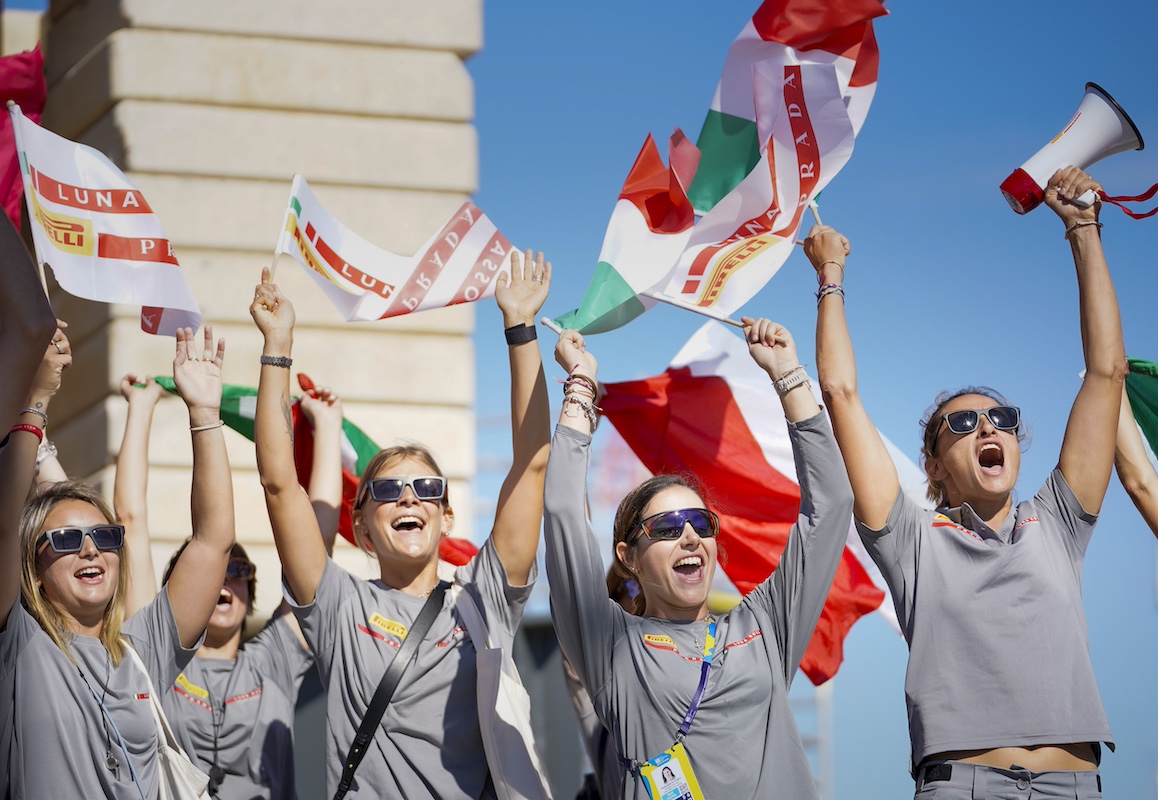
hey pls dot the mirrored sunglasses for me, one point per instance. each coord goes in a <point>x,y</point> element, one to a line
<point>389,490</point>
<point>670,524</point>
<point>1004,418</point>
<point>71,540</point>
<point>240,568</point>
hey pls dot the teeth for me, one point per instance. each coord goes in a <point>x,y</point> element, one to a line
<point>91,572</point>
<point>989,446</point>
<point>690,561</point>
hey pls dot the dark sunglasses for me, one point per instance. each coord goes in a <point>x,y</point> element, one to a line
<point>670,524</point>
<point>1004,418</point>
<point>71,540</point>
<point>389,490</point>
<point>240,568</point>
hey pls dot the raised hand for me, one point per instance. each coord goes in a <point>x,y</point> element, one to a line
<point>198,378</point>
<point>571,354</point>
<point>1065,186</point>
<point>57,358</point>
<point>771,346</point>
<point>322,407</point>
<point>141,389</point>
<point>825,246</point>
<point>272,311</point>
<point>522,289</point>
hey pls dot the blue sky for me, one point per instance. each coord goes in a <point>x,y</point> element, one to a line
<point>946,285</point>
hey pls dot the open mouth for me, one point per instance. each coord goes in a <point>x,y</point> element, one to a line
<point>225,600</point>
<point>690,568</point>
<point>991,458</point>
<point>90,575</point>
<point>407,524</point>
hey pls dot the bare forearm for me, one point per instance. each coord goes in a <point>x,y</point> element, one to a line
<point>130,488</point>
<point>1101,324</point>
<point>326,481</point>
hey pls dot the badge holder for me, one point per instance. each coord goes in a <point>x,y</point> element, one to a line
<point>669,776</point>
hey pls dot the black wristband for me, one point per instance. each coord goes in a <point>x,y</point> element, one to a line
<point>520,333</point>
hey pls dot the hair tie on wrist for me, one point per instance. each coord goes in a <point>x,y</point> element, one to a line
<point>518,334</point>
<point>208,427</point>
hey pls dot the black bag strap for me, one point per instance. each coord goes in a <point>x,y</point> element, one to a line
<point>406,654</point>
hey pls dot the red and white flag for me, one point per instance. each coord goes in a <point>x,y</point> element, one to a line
<point>714,413</point>
<point>456,265</point>
<point>97,232</point>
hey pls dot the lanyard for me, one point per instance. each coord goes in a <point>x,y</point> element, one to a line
<point>709,649</point>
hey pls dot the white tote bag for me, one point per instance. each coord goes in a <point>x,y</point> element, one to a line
<point>504,713</point>
<point>179,778</point>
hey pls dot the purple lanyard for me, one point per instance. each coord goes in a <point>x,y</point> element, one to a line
<point>709,649</point>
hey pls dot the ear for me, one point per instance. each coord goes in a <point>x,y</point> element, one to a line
<point>622,550</point>
<point>935,471</point>
<point>447,520</point>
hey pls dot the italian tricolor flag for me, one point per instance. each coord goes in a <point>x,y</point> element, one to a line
<point>649,228</point>
<point>714,413</point>
<point>1142,389</point>
<point>238,408</point>
<point>781,33</point>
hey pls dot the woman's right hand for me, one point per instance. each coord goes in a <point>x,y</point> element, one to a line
<point>825,246</point>
<point>141,389</point>
<point>571,354</point>
<point>57,358</point>
<point>272,311</point>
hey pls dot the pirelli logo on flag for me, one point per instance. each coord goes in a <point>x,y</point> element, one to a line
<point>72,235</point>
<point>731,261</point>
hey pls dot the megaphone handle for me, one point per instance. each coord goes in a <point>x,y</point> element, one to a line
<point>1085,199</point>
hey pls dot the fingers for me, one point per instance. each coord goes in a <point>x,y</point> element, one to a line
<point>765,332</point>
<point>182,354</point>
<point>1071,182</point>
<point>266,279</point>
<point>207,347</point>
<point>219,358</point>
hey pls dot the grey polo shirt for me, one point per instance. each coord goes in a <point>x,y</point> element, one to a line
<point>428,743</point>
<point>641,672</point>
<point>998,647</point>
<point>52,732</point>
<point>252,699</point>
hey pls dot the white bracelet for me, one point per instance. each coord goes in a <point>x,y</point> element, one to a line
<point>790,380</point>
<point>208,427</point>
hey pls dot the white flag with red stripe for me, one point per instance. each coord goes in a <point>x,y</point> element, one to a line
<point>714,413</point>
<point>457,265</point>
<point>97,232</point>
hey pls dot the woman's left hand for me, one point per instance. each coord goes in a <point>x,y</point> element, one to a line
<point>198,379</point>
<point>522,289</point>
<point>1064,187</point>
<point>771,346</point>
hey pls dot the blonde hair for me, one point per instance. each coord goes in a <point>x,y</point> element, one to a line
<point>42,609</point>
<point>384,460</point>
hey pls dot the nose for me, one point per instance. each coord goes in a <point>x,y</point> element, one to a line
<point>690,537</point>
<point>88,548</point>
<point>985,426</point>
<point>408,497</point>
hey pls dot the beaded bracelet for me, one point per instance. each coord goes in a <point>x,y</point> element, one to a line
<point>578,387</point>
<point>590,409</point>
<point>1081,224</point>
<point>827,289</point>
<point>24,426</point>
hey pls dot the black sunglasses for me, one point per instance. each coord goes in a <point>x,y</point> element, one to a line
<point>240,568</point>
<point>71,540</point>
<point>1004,418</point>
<point>389,490</point>
<point>670,524</point>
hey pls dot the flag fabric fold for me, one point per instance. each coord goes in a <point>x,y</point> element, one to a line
<point>714,413</point>
<point>238,408</point>
<point>1142,389</point>
<point>458,264</point>
<point>21,81</point>
<point>97,232</point>
<point>649,228</point>
<point>782,33</point>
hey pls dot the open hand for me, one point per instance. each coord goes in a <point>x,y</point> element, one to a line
<point>198,378</point>
<point>522,289</point>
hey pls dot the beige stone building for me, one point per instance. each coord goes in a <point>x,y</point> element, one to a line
<point>211,108</point>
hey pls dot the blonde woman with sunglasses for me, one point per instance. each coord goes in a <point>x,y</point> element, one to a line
<point>693,703</point>
<point>75,714</point>
<point>429,742</point>
<point>1001,694</point>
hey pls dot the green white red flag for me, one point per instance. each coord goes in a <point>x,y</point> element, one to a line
<point>456,265</point>
<point>97,232</point>
<point>713,413</point>
<point>238,409</point>
<point>1142,389</point>
<point>782,33</point>
<point>649,228</point>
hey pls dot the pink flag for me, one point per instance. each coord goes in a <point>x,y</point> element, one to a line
<point>21,81</point>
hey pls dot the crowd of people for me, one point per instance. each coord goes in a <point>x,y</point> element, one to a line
<point>98,662</point>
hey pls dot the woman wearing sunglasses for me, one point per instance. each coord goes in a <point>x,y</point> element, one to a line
<point>677,688</point>
<point>75,714</point>
<point>1000,689</point>
<point>232,706</point>
<point>429,741</point>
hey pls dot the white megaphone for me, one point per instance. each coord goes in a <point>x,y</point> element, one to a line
<point>1100,128</point>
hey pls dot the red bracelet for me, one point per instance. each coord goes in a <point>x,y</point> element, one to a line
<point>24,426</point>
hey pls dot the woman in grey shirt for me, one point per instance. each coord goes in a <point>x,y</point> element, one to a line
<point>75,715</point>
<point>694,704</point>
<point>1000,691</point>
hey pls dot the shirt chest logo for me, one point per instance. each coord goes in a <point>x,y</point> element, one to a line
<point>192,688</point>
<point>390,626</point>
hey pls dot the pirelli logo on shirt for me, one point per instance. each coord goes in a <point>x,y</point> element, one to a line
<point>390,626</point>
<point>192,688</point>
<point>941,521</point>
<point>660,641</point>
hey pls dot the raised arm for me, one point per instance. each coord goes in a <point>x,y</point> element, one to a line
<point>130,489</point>
<point>295,530</point>
<point>870,468</point>
<point>195,583</point>
<point>1087,451</point>
<point>772,348</point>
<point>27,323</point>
<point>519,512</point>
<point>324,411</point>
<point>18,459</point>
<point>1134,468</point>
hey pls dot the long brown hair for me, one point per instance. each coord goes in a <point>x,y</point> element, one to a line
<point>383,460</point>
<point>39,606</point>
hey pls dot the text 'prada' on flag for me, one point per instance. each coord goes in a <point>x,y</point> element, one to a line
<point>714,413</point>
<point>97,232</point>
<point>459,264</point>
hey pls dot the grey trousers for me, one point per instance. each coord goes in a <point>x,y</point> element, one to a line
<point>955,780</point>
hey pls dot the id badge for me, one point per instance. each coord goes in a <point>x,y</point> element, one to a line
<point>669,776</point>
